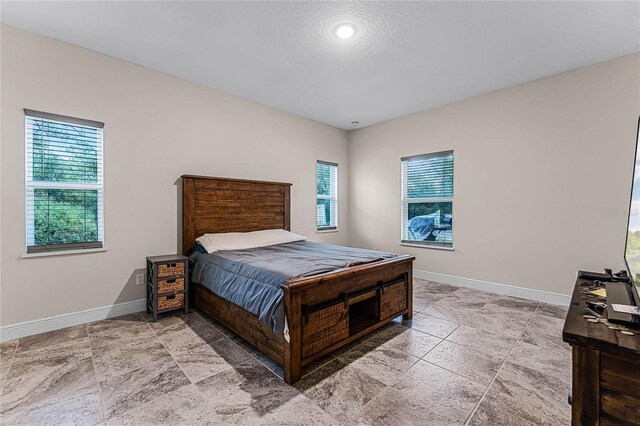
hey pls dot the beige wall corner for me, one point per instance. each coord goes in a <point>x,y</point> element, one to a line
<point>542,177</point>
<point>157,128</point>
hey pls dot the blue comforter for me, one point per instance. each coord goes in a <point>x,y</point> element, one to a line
<point>252,278</point>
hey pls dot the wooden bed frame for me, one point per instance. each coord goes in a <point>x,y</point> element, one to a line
<point>324,312</point>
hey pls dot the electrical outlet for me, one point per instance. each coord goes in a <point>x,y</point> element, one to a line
<point>139,279</point>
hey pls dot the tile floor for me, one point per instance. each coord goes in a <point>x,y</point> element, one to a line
<point>468,357</point>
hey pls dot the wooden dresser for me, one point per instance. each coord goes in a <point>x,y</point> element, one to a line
<point>606,369</point>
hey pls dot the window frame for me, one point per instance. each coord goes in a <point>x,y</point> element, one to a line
<point>333,198</point>
<point>405,201</point>
<point>31,249</point>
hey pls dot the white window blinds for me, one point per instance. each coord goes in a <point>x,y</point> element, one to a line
<point>64,183</point>
<point>327,196</point>
<point>427,199</point>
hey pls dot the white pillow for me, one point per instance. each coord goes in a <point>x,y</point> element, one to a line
<point>247,240</point>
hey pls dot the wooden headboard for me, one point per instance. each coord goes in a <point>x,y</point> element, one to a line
<point>213,204</point>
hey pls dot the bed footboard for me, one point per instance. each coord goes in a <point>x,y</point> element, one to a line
<point>328,311</point>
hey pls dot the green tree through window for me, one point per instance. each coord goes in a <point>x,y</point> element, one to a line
<point>64,184</point>
<point>327,195</point>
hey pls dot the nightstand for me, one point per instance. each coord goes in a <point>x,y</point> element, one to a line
<point>167,284</point>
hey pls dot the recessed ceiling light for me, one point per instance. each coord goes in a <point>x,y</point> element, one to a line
<point>355,123</point>
<point>345,31</point>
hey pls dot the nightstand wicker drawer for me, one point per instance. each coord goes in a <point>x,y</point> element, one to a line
<point>170,269</point>
<point>172,301</point>
<point>170,285</point>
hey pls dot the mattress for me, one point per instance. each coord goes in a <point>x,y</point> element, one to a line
<point>252,278</point>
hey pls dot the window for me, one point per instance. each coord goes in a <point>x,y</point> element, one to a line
<point>64,183</point>
<point>327,196</point>
<point>427,199</point>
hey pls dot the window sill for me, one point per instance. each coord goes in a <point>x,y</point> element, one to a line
<point>326,231</point>
<point>428,247</point>
<point>63,253</point>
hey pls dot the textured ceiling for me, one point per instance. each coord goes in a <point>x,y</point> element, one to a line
<point>404,58</point>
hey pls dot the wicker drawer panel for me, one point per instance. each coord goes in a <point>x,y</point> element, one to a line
<point>171,285</point>
<point>324,327</point>
<point>393,299</point>
<point>170,269</point>
<point>167,302</point>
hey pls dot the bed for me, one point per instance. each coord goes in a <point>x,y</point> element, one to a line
<point>324,309</point>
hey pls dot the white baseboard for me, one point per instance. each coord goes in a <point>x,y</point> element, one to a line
<point>28,328</point>
<point>57,322</point>
<point>509,290</point>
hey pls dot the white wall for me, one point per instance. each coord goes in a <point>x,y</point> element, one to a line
<point>526,158</point>
<point>157,128</point>
<point>541,181</point>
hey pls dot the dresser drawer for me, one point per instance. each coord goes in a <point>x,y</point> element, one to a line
<point>619,389</point>
<point>170,285</point>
